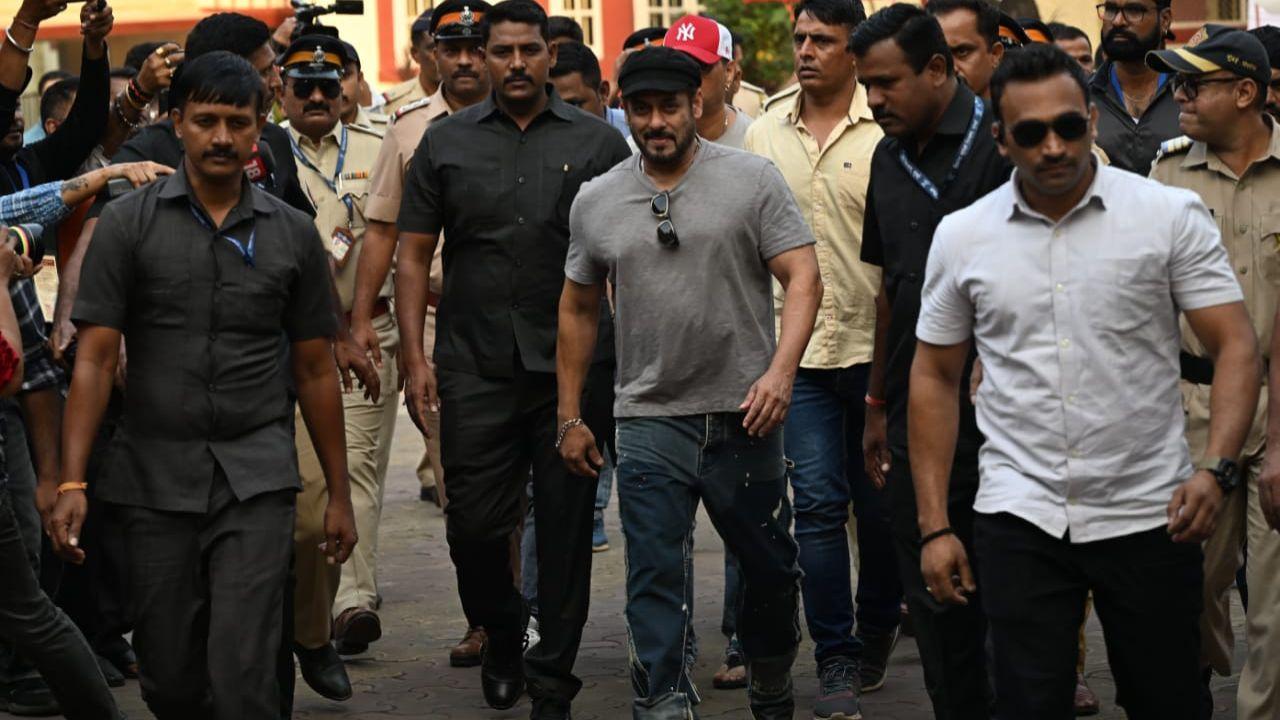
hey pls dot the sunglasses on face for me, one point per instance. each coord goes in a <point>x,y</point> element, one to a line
<point>302,88</point>
<point>660,206</point>
<point>1068,126</point>
<point>1190,84</point>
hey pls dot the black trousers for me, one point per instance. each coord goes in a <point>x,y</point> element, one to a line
<point>208,589</point>
<point>493,431</point>
<point>951,638</point>
<point>1147,590</point>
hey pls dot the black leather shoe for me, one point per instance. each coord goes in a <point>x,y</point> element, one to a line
<point>324,671</point>
<point>502,672</point>
<point>110,672</point>
<point>548,709</point>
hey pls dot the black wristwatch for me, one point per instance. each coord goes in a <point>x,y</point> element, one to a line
<point>1225,471</point>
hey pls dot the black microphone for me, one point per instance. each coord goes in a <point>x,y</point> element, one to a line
<point>24,239</point>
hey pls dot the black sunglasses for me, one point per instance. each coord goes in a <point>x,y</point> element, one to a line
<point>660,206</point>
<point>1068,126</point>
<point>303,87</point>
<point>1190,85</point>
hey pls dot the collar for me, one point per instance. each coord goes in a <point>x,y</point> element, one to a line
<point>1199,154</point>
<point>858,108</point>
<point>1092,196</point>
<point>489,108</point>
<point>176,186</point>
<point>955,121</point>
<point>305,142</point>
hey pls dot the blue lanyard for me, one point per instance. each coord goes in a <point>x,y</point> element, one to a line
<point>1115,85</point>
<point>246,250</point>
<point>337,171</point>
<point>22,173</point>
<point>966,147</point>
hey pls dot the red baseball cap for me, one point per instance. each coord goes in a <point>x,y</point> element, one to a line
<point>706,40</point>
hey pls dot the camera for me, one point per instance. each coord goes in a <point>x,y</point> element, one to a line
<point>306,14</point>
<point>24,240</point>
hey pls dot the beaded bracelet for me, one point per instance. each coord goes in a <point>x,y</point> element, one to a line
<point>119,111</point>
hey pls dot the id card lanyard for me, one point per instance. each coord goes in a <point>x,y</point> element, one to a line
<point>332,184</point>
<point>970,135</point>
<point>246,249</point>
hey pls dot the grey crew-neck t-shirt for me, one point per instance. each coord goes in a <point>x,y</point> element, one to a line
<point>693,324</point>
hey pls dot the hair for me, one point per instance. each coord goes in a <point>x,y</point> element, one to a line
<point>1269,35</point>
<point>1037,61</point>
<point>639,37</point>
<point>574,57</point>
<point>230,32</point>
<point>137,55</point>
<point>218,77</point>
<point>54,75</point>
<point>916,32</point>
<point>559,26</point>
<point>416,35</point>
<point>832,12</point>
<point>56,101</point>
<point>525,12</point>
<point>1063,31</point>
<point>987,14</point>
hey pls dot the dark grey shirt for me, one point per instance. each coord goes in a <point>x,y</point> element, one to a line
<point>502,197</point>
<point>1132,144</point>
<point>204,330</point>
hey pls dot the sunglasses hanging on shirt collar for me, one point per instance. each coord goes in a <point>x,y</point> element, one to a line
<point>660,206</point>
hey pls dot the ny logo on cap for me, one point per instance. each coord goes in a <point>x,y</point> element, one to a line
<point>685,33</point>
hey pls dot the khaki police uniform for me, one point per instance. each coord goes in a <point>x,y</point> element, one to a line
<point>402,138</point>
<point>750,99</point>
<point>338,184</point>
<point>374,122</point>
<point>400,95</point>
<point>1247,210</point>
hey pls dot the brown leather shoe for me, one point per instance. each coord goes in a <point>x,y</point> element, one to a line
<point>1087,702</point>
<point>354,629</point>
<point>467,652</point>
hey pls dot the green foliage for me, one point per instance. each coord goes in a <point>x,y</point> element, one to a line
<point>766,31</point>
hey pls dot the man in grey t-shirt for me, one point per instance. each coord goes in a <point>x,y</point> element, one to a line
<point>702,385</point>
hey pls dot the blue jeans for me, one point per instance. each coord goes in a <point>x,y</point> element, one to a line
<point>665,466</point>
<point>823,438</point>
<point>605,487</point>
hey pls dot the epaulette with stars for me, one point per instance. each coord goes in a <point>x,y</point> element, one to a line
<point>409,108</point>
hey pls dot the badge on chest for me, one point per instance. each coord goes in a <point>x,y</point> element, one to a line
<point>340,245</point>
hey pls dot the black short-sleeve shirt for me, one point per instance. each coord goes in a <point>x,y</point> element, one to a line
<point>203,328</point>
<point>502,197</point>
<point>898,232</point>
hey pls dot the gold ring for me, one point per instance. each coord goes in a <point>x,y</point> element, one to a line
<point>162,51</point>
<point>168,63</point>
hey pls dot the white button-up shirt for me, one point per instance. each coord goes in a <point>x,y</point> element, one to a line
<point>1076,323</point>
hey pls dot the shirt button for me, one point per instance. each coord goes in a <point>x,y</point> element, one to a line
<point>1242,229</point>
<point>519,263</point>
<point>524,140</point>
<point>217,286</point>
<point>1065,343</point>
<point>213,336</point>
<point>914,225</point>
<point>1059,287</point>
<point>1244,270</point>
<point>520,180</point>
<point>515,306</point>
<point>212,387</point>
<point>520,220</point>
<point>1071,399</point>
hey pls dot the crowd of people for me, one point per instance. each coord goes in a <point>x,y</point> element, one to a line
<point>964,333</point>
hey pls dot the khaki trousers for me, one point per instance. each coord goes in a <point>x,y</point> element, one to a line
<point>430,470</point>
<point>1241,518</point>
<point>317,580</point>
<point>370,429</point>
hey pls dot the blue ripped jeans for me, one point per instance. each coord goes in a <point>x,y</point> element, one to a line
<point>665,466</point>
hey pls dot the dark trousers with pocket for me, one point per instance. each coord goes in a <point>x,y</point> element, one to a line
<point>1147,590</point>
<point>41,632</point>
<point>493,432</point>
<point>207,590</point>
<point>951,638</point>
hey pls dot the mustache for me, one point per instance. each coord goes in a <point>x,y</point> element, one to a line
<point>1054,163</point>
<point>319,107</point>
<point>459,74</point>
<point>659,135</point>
<point>1120,32</point>
<point>880,115</point>
<point>520,77</point>
<point>226,153</point>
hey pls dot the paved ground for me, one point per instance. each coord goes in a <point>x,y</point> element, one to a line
<point>407,674</point>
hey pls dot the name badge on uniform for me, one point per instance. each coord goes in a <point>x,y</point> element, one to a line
<point>341,245</point>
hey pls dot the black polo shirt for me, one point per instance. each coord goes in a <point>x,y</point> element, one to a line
<point>502,198</point>
<point>898,232</point>
<point>203,328</point>
<point>1132,145</point>
<point>158,143</point>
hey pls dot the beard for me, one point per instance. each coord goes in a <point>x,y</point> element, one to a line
<point>682,141</point>
<point>1131,48</point>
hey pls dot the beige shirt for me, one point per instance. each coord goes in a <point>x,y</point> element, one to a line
<point>830,185</point>
<point>350,186</point>
<point>750,99</point>
<point>400,95</point>
<point>1247,212</point>
<point>402,138</point>
<point>375,122</point>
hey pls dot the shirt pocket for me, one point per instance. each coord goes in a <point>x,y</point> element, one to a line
<point>561,180</point>
<point>254,303</point>
<point>1268,248</point>
<point>1123,294</point>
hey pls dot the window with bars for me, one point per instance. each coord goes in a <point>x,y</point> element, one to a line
<point>586,13</point>
<point>661,13</point>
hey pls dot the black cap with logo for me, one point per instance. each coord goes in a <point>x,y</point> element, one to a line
<point>1213,48</point>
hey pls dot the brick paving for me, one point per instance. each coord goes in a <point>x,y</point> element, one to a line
<point>407,673</point>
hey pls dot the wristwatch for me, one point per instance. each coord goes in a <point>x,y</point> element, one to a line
<point>1225,471</point>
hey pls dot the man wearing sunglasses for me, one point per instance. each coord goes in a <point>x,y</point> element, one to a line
<point>334,162</point>
<point>1230,157</point>
<point>1069,280</point>
<point>1136,109</point>
<point>702,386</point>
